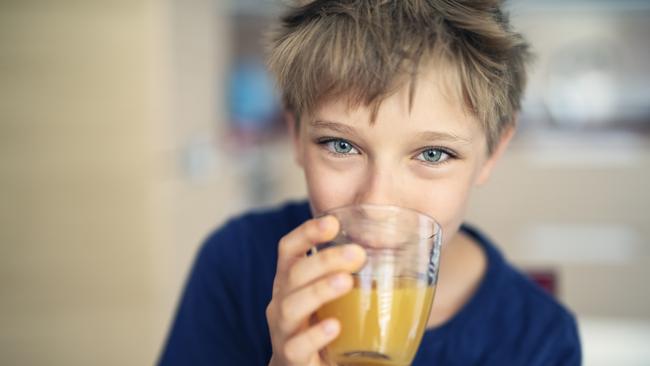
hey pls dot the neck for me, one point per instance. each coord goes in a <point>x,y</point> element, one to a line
<point>462,267</point>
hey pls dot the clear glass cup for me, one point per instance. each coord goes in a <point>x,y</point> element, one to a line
<point>384,316</point>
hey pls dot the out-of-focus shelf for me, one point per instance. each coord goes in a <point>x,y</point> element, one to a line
<point>579,5</point>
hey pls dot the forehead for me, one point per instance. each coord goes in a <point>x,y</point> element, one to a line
<point>436,105</point>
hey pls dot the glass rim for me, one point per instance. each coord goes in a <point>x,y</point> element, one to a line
<point>390,208</point>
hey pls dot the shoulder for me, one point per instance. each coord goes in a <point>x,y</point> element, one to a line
<point>543,325</point>
<point>253,233</point>
<point>228,288</point>
<point>545,330</point>
<point>267,222</point>
<point>507,284</point>
<point>527,317</point>
<point>531,297</point>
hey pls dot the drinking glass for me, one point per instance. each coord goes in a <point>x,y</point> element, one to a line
<point>384,316</point>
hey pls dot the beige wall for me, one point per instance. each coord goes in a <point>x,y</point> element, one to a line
<point>102,105</point>
<point>80,105</point>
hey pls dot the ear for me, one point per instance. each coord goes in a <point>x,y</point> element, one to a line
<point>500,148</point>
<point>294,135</point>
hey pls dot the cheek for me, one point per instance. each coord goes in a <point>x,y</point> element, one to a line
<point>329,186</point>
<point>446,201</point>
<point>447,198</point>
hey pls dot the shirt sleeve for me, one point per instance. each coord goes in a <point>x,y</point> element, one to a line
<point>206,328</point>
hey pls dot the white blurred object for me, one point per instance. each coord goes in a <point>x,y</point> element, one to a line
<point>589,97</point>
<point>583,83</point>
<point>611,341</point>
<point>591,65</point>
<point>593,244</point>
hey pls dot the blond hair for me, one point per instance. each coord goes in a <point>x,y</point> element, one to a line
<point>365,50</point>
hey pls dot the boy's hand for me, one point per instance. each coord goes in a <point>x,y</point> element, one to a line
<point>302,285</point>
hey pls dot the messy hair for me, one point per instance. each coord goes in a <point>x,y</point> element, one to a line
<point>366,50</point>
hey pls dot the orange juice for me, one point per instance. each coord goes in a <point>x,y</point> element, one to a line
<point>382,321</point>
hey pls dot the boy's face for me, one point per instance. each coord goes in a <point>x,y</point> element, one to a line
<point>428,159</point>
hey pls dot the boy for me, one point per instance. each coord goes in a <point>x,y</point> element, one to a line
<point>403,102</point>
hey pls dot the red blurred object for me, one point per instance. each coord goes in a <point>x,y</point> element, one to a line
<point>546,279</point>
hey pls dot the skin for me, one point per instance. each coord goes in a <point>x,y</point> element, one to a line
<point>429,158</point>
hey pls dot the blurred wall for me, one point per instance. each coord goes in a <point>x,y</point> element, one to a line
<point>88,185</point>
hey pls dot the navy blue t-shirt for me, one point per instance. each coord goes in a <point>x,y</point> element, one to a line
<point>221,316</point>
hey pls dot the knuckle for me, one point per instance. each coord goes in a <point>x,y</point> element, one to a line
<point>270,311</point>
<point>286,309</point>
<point>283,247</point>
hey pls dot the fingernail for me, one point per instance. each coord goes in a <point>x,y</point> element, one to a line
<point>339,282</point>
<point>330,327</point>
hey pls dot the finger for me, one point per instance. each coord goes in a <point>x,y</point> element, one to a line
<point>344,258</point>
<point>298,306</point>
<point>297,242</point>
<point>305,345</point>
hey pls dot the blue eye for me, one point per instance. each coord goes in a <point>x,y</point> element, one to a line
<point>340,146</point>
<point>433,156</point>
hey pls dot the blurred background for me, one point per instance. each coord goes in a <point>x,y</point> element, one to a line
<point>131,129</point>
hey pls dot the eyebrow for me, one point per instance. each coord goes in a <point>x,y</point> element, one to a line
<point>442,136</point>
<point>334,126</point>
<point>424,136</point>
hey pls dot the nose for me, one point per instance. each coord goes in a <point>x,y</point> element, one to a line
<point>378,186</point>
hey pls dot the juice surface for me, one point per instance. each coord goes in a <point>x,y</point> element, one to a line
<point>382,321</point>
